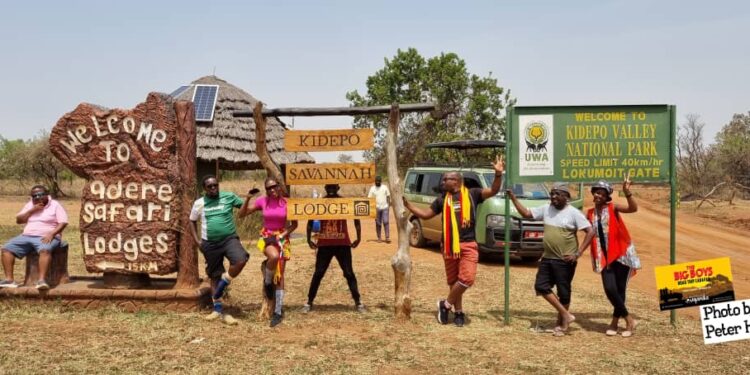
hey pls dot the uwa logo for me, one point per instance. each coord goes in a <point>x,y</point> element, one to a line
<point>536,135</point>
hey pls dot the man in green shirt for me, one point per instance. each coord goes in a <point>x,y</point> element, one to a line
<point>218,240</point>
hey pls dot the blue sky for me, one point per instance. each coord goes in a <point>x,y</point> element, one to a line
<point>56,54</point>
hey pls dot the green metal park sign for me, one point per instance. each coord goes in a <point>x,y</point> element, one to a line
<point>591,143</point>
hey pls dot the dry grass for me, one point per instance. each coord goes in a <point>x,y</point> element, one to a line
<point>335,339</point>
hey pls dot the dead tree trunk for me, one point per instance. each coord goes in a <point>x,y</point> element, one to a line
<point>187,266</point>
<point>710,193</point>
<point>401,261</point>
<point>266,307</point>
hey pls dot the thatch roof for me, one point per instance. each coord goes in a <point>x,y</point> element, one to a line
<point>232,140</point>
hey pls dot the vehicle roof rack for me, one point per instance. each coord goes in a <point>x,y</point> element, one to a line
<point>465,166</point>
<point>467,144</point>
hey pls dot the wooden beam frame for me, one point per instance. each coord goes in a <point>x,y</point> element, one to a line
<point>337,111</point>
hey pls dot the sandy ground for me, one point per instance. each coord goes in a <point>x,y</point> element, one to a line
<point>697,239</point>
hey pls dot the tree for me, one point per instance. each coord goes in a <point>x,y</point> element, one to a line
<point>733,148</point>
<point>468,106</point>
<point>345,158</point>
<point>32,160</point>
<point>696,164</point>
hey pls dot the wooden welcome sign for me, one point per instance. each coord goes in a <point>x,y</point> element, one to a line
<point>330,173</point>
<point>328,140</point>
<point>132,200</point>
<point>330,208</point>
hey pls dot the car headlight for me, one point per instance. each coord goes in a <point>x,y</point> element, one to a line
<point>496,221</point>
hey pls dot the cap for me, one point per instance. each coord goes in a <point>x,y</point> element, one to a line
<point>601,184</point>
<point>561,186</point>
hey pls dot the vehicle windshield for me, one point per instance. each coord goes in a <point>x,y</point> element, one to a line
<point>523,190</point>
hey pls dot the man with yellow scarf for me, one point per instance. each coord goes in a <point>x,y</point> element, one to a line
<point>459,245</point>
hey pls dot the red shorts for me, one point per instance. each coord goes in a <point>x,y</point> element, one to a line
<point>463,269</point>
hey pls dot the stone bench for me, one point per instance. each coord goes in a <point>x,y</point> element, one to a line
<point>57,273</point>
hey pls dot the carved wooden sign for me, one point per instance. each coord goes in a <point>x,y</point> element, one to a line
<point>330,208</point>
<point>130,210</point>
<point>330,173</point>
<point>328,140</point>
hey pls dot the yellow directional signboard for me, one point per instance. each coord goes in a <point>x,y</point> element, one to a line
<point>330,173</point>
<point>330,208</point>
<point>328,140</point>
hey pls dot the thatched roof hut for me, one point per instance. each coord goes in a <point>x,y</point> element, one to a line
<point>230,140</point>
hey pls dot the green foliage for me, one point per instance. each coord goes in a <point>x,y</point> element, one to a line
<point>31,160</point>
<point>345,158</point>
<point>468,106</point>
<point>733,149</point>
<point>697,170</point>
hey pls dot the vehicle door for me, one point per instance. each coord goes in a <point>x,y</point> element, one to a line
<point>432,228</point>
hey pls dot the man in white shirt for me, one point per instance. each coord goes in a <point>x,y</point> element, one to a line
<point>382,202</point>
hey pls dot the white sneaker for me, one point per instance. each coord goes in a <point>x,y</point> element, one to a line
<point>229,320</point>
<point>212,316</point>
<point>8,284</point>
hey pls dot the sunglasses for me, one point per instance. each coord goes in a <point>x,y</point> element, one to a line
<point>38,195</point>
<point>268,188</point>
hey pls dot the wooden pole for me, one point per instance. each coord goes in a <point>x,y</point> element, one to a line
<point>401,261</point>
<point>187,266</point>
<point>261,149</point>
<point>336,111</point>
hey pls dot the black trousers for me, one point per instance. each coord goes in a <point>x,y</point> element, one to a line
<point>615,281</point>
<point>343,255</point>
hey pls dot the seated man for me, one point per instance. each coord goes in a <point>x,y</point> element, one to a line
<point>45,220</point>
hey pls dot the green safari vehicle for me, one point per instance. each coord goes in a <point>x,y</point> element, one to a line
<point>423,185</point>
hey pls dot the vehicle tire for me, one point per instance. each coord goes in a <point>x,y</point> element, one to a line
<point>416,237</point>
<point>529,259</point>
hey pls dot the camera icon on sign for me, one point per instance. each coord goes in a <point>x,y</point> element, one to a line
<point>361,208</point>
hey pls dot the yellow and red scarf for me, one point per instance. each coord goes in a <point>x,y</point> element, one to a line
<point>284,245</point>
<point>451,238</point>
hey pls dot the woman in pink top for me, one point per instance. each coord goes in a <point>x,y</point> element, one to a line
<point>274,241</point>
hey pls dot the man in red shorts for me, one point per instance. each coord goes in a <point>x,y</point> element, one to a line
<point>459,245</point>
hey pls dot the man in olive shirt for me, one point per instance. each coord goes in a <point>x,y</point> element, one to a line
<point>561,251</point>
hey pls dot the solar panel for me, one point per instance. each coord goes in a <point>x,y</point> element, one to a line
<point>179,91</point>
<point>204,99</point>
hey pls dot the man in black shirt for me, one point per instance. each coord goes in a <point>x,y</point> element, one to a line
<point>460,250</point>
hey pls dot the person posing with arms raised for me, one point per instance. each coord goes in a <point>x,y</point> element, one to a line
<point>382,202</point>
<point>218,240</point>
<point>460,250</point>
<point>561,251</point>
<point>274,242</point>
<point>612,253</point>
<point>333,241</point>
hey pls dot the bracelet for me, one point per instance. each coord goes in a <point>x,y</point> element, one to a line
<point>499,175</point>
